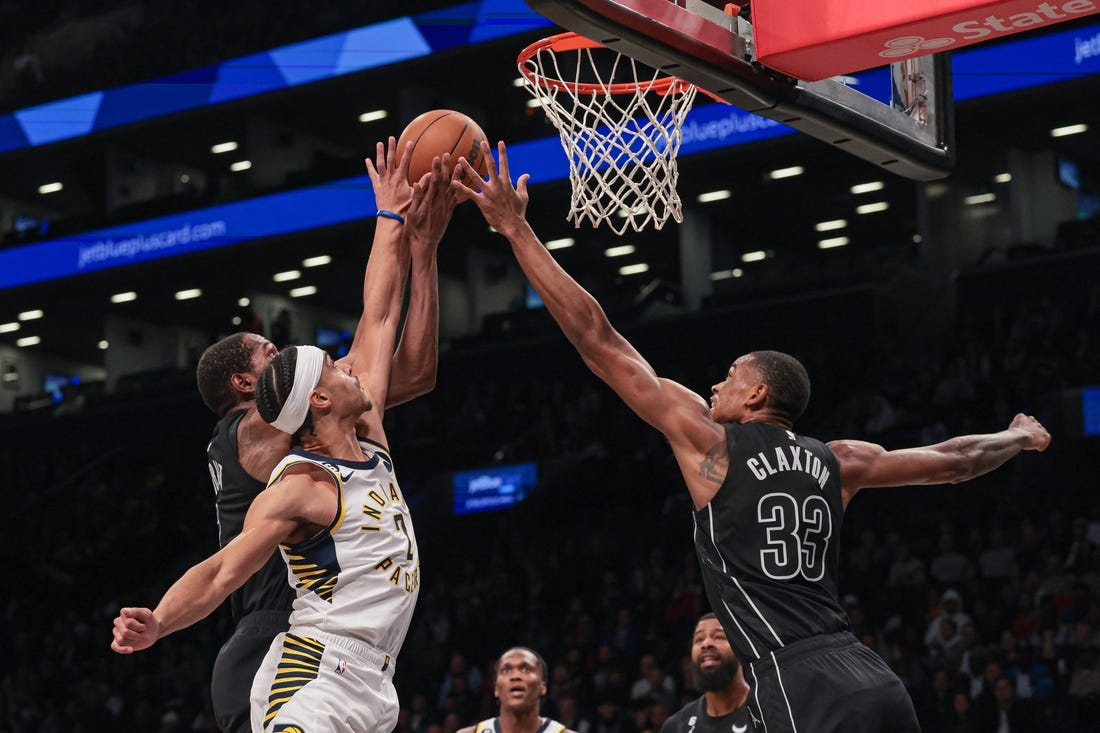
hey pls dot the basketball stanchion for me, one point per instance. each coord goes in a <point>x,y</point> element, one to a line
<point>620,124</point>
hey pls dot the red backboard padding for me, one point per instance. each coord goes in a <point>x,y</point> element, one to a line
<point>816,39</point>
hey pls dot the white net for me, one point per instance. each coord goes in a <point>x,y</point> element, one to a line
<point>620,124</point>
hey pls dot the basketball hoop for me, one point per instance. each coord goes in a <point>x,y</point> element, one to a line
<point>621,137</point>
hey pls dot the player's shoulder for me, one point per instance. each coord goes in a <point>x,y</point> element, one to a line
<point>682,719</point>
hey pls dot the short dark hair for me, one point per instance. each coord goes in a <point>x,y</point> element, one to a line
<point>232,355</point>
<point>538,657</point>
<point>787,380</point>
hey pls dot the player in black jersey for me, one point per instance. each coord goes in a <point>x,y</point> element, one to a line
<point>244,449</point>
<point>768,502</point>
<point>721,708</point>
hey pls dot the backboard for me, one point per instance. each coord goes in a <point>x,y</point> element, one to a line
<point>911,135</point>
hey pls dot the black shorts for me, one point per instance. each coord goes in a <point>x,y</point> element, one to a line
<point>828,684</point>
<point>236,665</point>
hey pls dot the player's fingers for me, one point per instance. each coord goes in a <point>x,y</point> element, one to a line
<point>521,184</point>
<point>462,191</point>
<point>405,160</point>
<point>121,649</point>
<point>502,152</point>
<point>380,155</point>
<point>490,164</point>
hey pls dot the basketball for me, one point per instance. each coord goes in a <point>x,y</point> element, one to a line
<point>442,131</point>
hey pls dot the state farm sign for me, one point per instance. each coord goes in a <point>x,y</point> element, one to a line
<point>814,40</point>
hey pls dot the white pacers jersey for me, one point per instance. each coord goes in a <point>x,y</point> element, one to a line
<point>360,577</point>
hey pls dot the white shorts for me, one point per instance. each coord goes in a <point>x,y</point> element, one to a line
<point>315,682</point>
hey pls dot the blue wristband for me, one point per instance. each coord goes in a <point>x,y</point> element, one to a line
<point>391,215</point>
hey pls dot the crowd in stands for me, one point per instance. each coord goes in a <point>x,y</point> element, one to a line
<point>984,598</point>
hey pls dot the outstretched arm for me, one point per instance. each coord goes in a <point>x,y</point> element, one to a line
<point>863,465</point>
<point>681,415</point>
<point>205,586</point>
<point>417,359</point>
<point>371,353</point>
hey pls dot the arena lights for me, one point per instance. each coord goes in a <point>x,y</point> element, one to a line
<point>981,198</point>
<point>189,294</point>
<point>727,274</point>
<point>791,172</point>
<point>103,344</point>
<point>244,302</point>
<point>28,341</point>
<point>31,315</point>
<point>868,187</point>
<point>518,82</point>
<point>240,165</point>
<point>620,251</point>
<point>303,291</point>
<point>54,187</point>
<point>560,243</point>
<point>873,208</point>
<point>226,147</point>
<point>833,242</point>
<point>634,269</point>
<point>1069,130</point>
<point>709,196</point>
<point>832,224</point>
<point>10,327</point>
<point>534,103</point>
<point>318,261</point>
<point>124,297</point>
<point>755,256</point>
<point>374,115</point>
<point>282,277</point>
<point>1002,178</point>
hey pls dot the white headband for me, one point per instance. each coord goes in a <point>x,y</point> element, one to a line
<point>307,374</point>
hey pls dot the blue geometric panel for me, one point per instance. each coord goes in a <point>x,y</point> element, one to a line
<point>245,77</point>
<point>499,18</point>
<point>59,120</point>
<point>169,94</point>
<point>301,63</point>
<point>381,44</point>
<point>11,134</point>
<point>448,27</point>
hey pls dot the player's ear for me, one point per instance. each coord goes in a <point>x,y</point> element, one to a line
<point>758,397</point>
<point>319,398</point>
<point>243,382</point>
<point>542,689</point>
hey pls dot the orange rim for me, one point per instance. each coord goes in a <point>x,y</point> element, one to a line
<point>570,41</point>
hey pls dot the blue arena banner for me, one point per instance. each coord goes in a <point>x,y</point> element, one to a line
<point>489,489</point>
<point>178,234</point>
<point>369,47</point>
<point>1090,411</point>
<point>979,72</point>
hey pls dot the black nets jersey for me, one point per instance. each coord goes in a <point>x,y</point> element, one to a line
<point>234,490</point>
<point>767,541</point>
<point>693,718</point>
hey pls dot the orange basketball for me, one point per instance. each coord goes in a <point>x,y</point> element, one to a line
<point>442,131</point>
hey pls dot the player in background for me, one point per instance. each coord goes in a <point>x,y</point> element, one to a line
<point>769,502</point>
<point>721,708</point>
<point>520,686</point>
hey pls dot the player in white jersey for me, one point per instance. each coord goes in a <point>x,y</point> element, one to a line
<point>356,582</point>
<point>333,671</point>
<point>520,687</point>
